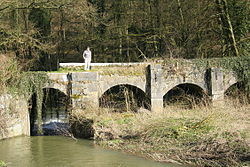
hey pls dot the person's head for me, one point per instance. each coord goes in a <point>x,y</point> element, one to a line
<point>88,48</point>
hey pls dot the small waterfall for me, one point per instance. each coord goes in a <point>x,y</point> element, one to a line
<point>54,113</point>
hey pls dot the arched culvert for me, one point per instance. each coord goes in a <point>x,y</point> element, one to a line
<point>124,98</point>
<point>237,93</point>
<point>185,96</point>
<point>54,116</point>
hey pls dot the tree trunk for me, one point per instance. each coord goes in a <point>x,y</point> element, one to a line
<point>227,27</point>
<point>180,11</point>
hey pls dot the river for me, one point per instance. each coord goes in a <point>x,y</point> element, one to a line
<point>58,151</point>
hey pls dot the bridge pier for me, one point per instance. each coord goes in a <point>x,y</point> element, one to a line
<point>155,74</point>
<point>156,104</point>
<point>84,90</point>
<point>216,86</point>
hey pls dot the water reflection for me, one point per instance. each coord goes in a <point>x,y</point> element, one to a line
<point>57,151</point>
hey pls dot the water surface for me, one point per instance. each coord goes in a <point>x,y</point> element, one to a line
<point>58,151</point>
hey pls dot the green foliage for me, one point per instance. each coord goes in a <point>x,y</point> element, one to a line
<point>25,85</point>
<point>177,28</point>
<point>17,82</point>
<point>37,31</point>
<point>182,130</point>
<point>240,13</point>
<point>3,164</point>
<point>28,83</point>
<point>26,47</point>
<point>42,20</point>
<point>240,65</point>
<point>122,30</point>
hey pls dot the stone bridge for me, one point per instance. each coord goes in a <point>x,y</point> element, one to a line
<point>155,80</point>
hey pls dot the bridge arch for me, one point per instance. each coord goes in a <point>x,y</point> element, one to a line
<point>230,85</point>
<point>237,92</point>
<point>59,87</point>
<point>125,97</point>
<point>186,95</point>
<point>172,85</point>
<point>55,105</point>
<point>108,86</point>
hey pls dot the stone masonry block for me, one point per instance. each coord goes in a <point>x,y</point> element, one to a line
<point>63,77</point>
<point>84,76</point>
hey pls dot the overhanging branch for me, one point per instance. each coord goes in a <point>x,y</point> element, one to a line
<point>4,8</point>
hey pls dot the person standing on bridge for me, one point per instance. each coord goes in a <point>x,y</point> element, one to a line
<point>87,58</point>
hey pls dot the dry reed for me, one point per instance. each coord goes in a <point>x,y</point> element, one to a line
<point>204,136</point>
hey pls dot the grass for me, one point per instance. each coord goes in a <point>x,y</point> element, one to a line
<point>138,70</point>
<point>205,136</point>
<point>109,70</point>
<point>68,70</point>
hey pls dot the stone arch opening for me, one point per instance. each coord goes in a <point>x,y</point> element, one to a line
<point>185,96</point>
<point>54,116</point>
<point>123,98</point>
<point>237,93</point>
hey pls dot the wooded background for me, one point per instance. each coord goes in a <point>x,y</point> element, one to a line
<point>45,32</point>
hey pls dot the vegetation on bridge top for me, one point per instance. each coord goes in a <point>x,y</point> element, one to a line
<point>132,70</point>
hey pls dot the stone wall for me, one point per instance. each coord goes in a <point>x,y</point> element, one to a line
<point>14,117</point>
<point>85,88</point>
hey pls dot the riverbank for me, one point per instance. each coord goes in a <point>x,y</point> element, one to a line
<point>59,151</point>
<point>213,137</point>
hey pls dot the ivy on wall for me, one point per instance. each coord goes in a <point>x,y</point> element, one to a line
<point>239,65</point>
<point>29,83</point>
